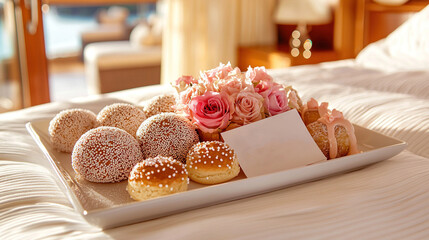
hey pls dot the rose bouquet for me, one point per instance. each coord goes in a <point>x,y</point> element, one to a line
<point>224,98</point>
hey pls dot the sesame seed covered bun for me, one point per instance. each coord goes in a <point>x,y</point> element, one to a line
<point>159,104</point>
<point>167,134</point>
<point>156,177</point>
<point>212,162</point>
<point>122,115</point>
<point>67,127</point>
<point>105,154</point>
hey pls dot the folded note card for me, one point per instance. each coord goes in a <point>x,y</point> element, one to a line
<point>273,144</point>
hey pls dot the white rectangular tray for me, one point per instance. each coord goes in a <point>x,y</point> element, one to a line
<point>108,205</point>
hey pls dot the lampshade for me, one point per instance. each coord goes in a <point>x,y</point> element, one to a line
<point>303,11</point>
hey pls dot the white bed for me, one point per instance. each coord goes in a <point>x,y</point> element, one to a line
<point>385,89</point>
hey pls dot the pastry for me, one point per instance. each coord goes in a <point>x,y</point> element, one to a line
<point>67,127</point>
<point>159,104</point>
<point>212,162</point>
<point>168,135</point>
<point>156,177</point>
<point>334,135</point>
<point>122,115</point>
<point>105,154</point>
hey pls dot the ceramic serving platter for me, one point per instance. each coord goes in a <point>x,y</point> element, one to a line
<point>108,205</point>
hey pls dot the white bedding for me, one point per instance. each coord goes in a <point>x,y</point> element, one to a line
<point>405,49</point>
<point>388,200</point>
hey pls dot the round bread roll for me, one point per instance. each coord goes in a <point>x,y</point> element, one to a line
<point>159,104</point>
<point>122,115</point>
<point>105,154</point>
<point>156,177</point>
<point>67,127</point>
<point>168,135</point>
<point>212,162</point>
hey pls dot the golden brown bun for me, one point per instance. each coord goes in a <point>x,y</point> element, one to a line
<point>319,132</point>
<point>156,177</point>
<point>212,162</point>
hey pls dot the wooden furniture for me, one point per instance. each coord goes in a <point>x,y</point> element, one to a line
<point>115,66</point>
<point>356,24</point>
<point>267,56</point>
<point>105,33</point>
<point>94,2</point>
<point>278,56</point>
<point>34,70</point>
<point>375,21</point>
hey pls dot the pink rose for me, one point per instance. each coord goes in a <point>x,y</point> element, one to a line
<point>184,82</point>
<point>248,107</point>
<point>210,77</point>
<point>276,102</point>
<point>233,83</point>
<point>264,88</point>
<point>211,111</point>
<point>220,72</point>
<point>261,80</point>
<point>188,80</point>
<point>186,96</point>
<point>293,100</point>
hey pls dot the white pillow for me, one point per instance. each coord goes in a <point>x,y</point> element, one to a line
<point>146,35</point>
<point>405,49</point>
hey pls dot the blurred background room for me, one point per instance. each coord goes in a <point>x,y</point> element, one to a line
<point>55,50</point>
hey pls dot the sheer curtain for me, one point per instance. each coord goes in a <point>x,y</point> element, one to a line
<point>199,34</point>
<point>257,23</point>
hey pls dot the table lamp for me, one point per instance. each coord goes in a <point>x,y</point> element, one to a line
<point>302,13</point>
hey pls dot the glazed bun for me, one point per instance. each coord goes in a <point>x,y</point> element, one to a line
<point>67,127</point>
<point>334,135</point>
<point>167,134</point>
<point>156,177</point>
<point>212,162</point>
<point>319,132</point>
<point>122,115</point>
<point>105,154</point>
